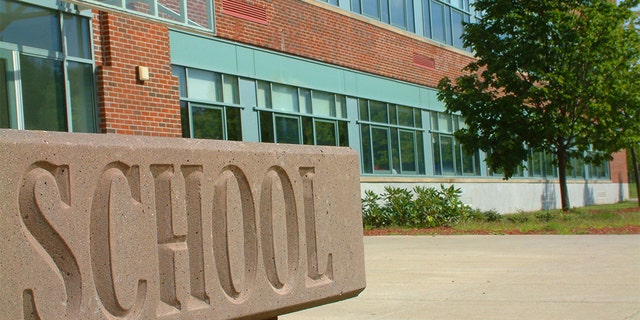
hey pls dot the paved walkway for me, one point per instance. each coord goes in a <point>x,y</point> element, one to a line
<point>494,277</point>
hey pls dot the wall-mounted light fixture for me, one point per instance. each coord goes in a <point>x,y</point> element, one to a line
<point>143,73</point>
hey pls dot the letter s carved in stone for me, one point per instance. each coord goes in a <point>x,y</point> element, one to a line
<point>45,194</point>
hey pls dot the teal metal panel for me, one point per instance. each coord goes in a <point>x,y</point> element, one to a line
<point>387,90</point>
<point>249,116</point>
<point>246,61</point>
<point>432,101</point>
<point>298,72</point>
<point>203,53</point>
<point>427,140</point>
<point>353,128</point>
<point>222,56</point>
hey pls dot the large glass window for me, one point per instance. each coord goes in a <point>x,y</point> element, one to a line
<point>449,155</point>
<point>210,104</point>
<point>193,13</point>
<point>444,20</point>
<point>295,115</point>
<point>46,69</point>
<point>391,138</point>
<point>398,13</point>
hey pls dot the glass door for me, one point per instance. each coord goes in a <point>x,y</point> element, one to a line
<point>8,110</point>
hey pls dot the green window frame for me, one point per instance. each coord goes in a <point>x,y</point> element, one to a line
<point>47,77</point>
<point>209,104</point>
<point>449,156</point>
<point>295,115</point>
<point>391,138</point>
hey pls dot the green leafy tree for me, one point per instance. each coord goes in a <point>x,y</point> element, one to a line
<point>559,76</point>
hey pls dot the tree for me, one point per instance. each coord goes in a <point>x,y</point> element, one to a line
<point>558,76</point>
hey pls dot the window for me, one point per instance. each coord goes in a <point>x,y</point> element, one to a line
<point>392,138</point>
<point>193,13</point>
<point>289,114</point>
<point>444,21</point>
<point>449,155</point>
<point>46,70</point>
<point>398,13</point>
<point>209,104</point>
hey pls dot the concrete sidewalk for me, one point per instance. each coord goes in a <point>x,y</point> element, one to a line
<point>494,277</point>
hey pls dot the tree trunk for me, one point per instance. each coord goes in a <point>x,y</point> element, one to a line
<point>634,159</point>
<point>562,175</point>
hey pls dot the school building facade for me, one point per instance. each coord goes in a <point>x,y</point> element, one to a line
<point>351,73</point>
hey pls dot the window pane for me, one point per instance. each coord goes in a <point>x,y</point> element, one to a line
<point>142,6</point>
<point>207,123</point>
<point>444,123</point>
<point>426,18</point>
<point>536,164</point>
<point>266,127</point>
<point>343,133</point>
<point>405,116</point>
<point>395,152</point>
<point>231,93</point>
<point>378,112</point>
<point>341,106</point>
<point>393,116</point>
<point>380,140</point>
<point>457,28</point>
<point>420,154</point>
<point>182,81</point>
<point>76,32</point>
<point>184,120</point>
<point>370,8</point>
<point>355,6</point>
<point>29,25</point>
<point>171,10</point>
<point>81,92</point>
<point>307,131</point>
<point>437,161</point>
<point>363,105</point>
<point>438,22</point>
<point>305,101</point>
<point>287,130</point>
<point>204,85</point>
<point>417,113</point>
<point>447,146</point>
<point>234,124</point>
<point>43,94</point>
<point>468,162</point>
<point>367,161</point>
<point>326,133</point>
<point>407,151</point>
<point>398,13</point>
<point>323,104</point>
<point>285,98</point>
<point>264,94</point>
<point>199,13</point>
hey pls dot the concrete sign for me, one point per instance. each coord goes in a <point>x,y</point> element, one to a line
<point>110,226</point>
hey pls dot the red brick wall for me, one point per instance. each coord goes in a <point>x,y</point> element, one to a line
<point>618,167</point>
<point>310,31</point>
<point>126,105</point>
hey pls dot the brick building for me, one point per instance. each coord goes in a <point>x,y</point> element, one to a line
<point>356,73</point>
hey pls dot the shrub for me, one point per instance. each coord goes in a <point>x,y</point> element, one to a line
<point>485,216</point>
<point>422,207</point>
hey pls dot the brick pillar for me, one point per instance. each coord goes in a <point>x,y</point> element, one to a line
<point>126,104</point>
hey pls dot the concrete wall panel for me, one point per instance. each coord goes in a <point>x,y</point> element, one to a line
<point>106,226</point>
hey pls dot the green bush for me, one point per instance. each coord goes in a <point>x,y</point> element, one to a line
<point>420,208</point>
<point>485,216</point>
